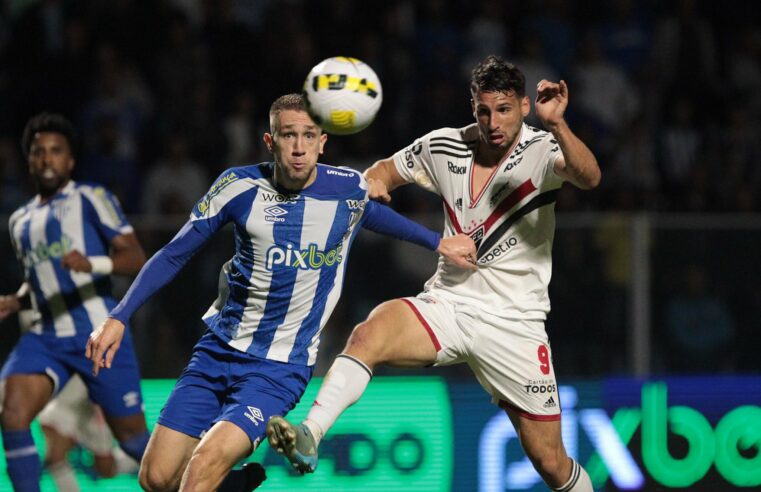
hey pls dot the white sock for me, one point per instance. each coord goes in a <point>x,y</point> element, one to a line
<point>124,463</point>
<point>579,481</point>
<point>63,477</point>
<point>342,387</point>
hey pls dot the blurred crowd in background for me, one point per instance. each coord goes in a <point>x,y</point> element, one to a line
<point>168,93</point>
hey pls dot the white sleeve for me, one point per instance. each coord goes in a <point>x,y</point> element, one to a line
<point>415,164</point>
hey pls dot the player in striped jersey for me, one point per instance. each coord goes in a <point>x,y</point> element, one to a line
<point>69,238</point>
<point>498,179</point>
<point>294,223</point>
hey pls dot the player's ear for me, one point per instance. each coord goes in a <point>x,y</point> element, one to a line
<point>323,139</point>
<point>525,106</point>
<point>269,142</point>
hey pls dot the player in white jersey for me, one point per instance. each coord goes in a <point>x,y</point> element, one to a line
<point>68,238</point>
<point>294,222</point>
<point>498,179</point>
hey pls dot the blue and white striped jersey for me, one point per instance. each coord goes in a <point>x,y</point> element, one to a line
<point>82,217</point>
<point>291,249</point>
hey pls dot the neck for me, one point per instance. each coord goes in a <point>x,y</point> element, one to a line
<point>46,194</point>
<point>283,181</point>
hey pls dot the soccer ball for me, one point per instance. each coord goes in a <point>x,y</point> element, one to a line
<point>343,95</point>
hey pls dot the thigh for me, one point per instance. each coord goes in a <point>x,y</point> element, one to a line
<point>167,454</point>
<point>399,333</point>
<point>262,388</point>
<point>512,360</point>
<point>197,397</point>
<point>24,397</point>
<point>227,442</point>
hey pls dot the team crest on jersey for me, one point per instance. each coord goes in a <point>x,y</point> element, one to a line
<point>477,235</point>
<point>223,182</point>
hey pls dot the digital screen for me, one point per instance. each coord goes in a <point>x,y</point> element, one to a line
<point>430,434</point>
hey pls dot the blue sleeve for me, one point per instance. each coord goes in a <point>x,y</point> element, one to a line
<point>160,270</point>
<point>384,220</point>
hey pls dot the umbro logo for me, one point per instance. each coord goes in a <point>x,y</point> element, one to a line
<point>550,403</point>
<point>275,213</point>
<point>254,415</point>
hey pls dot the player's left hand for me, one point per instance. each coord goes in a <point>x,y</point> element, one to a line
<point>103,343</point>
<point>76,261</point>
<point>459,250</point>
<point>551,102</point>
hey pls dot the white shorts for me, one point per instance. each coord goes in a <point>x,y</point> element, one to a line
<point>511,358</point>
<point>72,414</point>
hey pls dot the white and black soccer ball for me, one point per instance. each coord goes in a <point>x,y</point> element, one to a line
<point>343,95</point>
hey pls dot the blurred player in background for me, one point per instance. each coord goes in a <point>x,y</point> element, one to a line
<point>71,419</point>
<point>498,179</point>
<point>69,238</point>
<point>294,222</point>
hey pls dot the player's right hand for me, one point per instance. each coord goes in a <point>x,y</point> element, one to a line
<point>8,305</point>
<point>103,343</point>
<point>377,190</point>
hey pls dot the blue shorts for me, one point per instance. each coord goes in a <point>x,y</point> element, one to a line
<point>221,383</point>
<point>116,390</point>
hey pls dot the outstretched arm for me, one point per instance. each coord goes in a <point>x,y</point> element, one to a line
<point>382,178</point>
<point>578,164</point>
<point>160,270</point>
<point>459,250</point>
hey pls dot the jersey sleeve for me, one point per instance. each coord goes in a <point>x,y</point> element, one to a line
<point>105,212</point>
<point>553,154</point>
<point>226,198</point>
<point>415,164</point>
<point>384,220</point>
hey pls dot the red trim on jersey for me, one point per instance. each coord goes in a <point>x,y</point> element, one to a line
<point>452,217</point>
<point>518,194</point>
<point>474,201</point>
<point>425,324</point>
<point>541,418</point>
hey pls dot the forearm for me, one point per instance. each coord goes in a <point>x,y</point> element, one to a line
<point>384,220</point>
<point>580,166</point>
<point>127,255</point>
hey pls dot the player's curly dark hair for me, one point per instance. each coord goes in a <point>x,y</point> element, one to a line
<point>494,74</point>
<point>47,122</point>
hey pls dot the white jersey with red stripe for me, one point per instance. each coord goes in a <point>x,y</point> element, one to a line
<point>512,219</point>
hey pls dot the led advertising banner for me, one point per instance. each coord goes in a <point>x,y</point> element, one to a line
<point>428,434</point>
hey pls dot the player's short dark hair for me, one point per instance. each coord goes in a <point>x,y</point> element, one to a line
<point>494,74</point>
<point>47,122</point>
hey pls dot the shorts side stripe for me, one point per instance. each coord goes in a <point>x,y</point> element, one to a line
<point>541,418</point>
<point>425,324</point>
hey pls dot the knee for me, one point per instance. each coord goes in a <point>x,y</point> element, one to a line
<point>156,479</point>
<point>550,463</point>
<point>208,462</point>
<point>15,415</point>
<point>365,339</point>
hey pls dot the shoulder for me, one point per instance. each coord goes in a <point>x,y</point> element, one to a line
<point>339,180</point>
<point>91,191</point>
<point>535,135</point>
<point>453,142</point>
<point>20,212</point>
